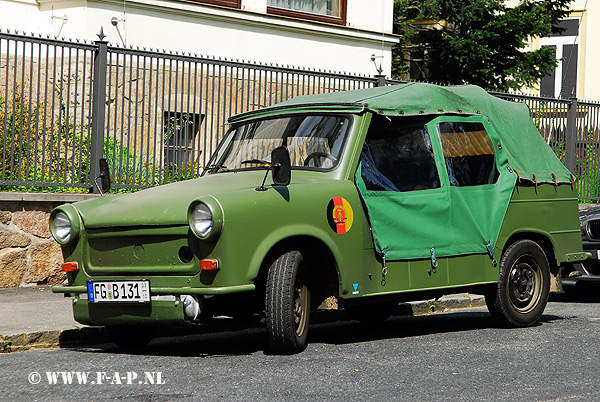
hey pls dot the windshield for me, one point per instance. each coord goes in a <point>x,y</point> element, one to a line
<point>314,142</point>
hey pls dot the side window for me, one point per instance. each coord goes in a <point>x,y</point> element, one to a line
<point>398,156</point>
<point>468,153</point>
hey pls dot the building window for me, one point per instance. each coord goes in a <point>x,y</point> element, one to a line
<point>180,132</point>
<point>331,11</point>
<point>225,3</point>
<point>561,82</point>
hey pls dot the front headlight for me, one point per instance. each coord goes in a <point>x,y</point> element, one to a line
<point>201,220</point>
<point>206,218</point>
<point>64,225</point>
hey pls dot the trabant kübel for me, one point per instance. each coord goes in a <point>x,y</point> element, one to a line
<point>354,200</point>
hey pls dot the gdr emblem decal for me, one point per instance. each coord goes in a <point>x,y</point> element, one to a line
<point>339,215</point>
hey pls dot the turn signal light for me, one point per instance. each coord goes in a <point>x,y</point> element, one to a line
<point>209,265</point>
<point>70,266</point>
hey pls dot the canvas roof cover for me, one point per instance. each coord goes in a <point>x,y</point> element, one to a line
<point>526,150</point>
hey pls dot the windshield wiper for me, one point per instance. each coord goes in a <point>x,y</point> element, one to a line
<point>217,166</point>
<point>257,161</point>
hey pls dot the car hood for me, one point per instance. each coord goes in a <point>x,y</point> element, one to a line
<point>165,205</point>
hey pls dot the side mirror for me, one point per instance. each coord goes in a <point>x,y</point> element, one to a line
<point>104,175</point>
<point>281,166</point>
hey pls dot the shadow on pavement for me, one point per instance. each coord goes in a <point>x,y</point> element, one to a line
<point>581,293</point>
<point>333,331</point>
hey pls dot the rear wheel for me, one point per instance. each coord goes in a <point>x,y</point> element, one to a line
<point>287,304</point>
<point>521,295</point>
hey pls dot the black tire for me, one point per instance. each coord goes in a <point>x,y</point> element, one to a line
<point>131,338</point>
<point>372,313</point>
<point>521,295</point>
<point>287,304</point>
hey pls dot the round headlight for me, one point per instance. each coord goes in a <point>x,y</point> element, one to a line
<point>201,220</point>
<point>205,217</point>
<point>62,227</point>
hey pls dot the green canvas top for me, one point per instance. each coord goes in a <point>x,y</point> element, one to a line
<point>526,150</point>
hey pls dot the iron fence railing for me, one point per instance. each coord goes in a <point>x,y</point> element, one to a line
<point>158,116</point>
<point>44,111</point>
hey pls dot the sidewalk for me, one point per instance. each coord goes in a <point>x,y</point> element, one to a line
<point>34,317</point>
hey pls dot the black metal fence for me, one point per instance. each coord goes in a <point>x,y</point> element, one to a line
<point>158,116</point>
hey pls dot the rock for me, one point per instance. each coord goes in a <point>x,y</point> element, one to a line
<point>44,264</point>
<point>12,268</point>
<point>10,239</point>
<point>5,217</point>
<point>34,222</point>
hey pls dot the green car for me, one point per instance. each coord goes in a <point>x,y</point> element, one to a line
<point>354,200</point>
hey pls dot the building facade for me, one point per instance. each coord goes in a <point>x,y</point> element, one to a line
<point>575,51</point>
<point>339,35</point>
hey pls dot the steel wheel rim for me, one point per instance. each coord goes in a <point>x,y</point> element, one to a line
<point>524,283</point>
<point>300,306</point>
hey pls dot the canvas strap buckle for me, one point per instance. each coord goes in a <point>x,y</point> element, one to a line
<point>490,251</point>
<point>434,262</point>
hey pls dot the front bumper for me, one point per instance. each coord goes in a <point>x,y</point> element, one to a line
<point>73,290</point>
<point>165,307</point>
<point>589,269</point>
<point>592,247</point>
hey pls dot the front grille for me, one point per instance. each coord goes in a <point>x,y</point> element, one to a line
<point>144,252</point>
<point>594,229</point>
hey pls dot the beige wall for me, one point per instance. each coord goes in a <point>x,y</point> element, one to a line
<point>589,57</point>
<point>248,33</point>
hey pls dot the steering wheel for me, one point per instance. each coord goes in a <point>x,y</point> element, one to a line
<point>320,154</point>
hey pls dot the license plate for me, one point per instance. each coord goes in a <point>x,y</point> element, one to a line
<point>119,292</point>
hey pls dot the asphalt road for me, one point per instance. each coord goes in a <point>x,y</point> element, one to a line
<point>460,355</point>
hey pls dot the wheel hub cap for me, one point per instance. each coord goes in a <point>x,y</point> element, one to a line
<point>524,285</point>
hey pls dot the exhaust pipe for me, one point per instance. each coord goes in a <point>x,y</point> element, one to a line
<point>192,307</point>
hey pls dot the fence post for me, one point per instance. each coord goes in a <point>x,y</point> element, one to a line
<point>98,105</point>
<point>571,137</point>
<point>380,80</point>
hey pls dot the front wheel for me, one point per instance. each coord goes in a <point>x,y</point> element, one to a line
<point>521,295</point>
<point>287,304</point>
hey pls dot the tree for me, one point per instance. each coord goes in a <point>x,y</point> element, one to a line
<point>481,42</point>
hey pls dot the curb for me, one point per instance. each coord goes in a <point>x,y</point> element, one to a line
<point>445,304</point>
<point>53,339</point>
<point>85,336</point>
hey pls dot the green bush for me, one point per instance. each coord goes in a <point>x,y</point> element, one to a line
<point>46,151</point>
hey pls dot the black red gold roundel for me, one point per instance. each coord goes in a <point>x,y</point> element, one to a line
<point>339,215</point>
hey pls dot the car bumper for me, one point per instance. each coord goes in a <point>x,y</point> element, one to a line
<point>164,308</point>
<point>589,274</point>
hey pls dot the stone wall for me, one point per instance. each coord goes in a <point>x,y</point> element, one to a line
<point>28,254</point>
